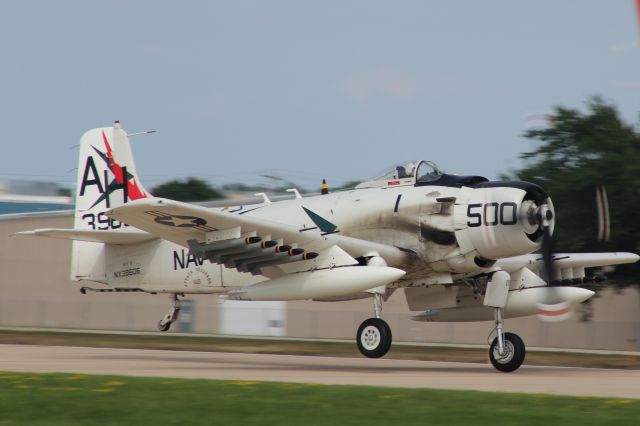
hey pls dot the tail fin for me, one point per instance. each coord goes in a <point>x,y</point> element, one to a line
<point>106,174</point>
<point>107,178</point>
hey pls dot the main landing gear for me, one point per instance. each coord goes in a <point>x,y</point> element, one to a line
<point>165,323</point>
<point>507,350</point>
<point>374,334</point>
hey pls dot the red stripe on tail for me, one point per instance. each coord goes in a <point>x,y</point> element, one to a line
<point>133,190</point>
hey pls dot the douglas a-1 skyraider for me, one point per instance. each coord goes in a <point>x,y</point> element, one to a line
<point>458,246</point>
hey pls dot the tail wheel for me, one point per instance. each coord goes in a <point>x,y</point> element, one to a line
<point>513,356</point>
<point>374,338</point>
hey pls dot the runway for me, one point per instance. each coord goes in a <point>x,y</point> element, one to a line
<point>322,370</point>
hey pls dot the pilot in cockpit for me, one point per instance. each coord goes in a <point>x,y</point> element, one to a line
<point>405,171</point>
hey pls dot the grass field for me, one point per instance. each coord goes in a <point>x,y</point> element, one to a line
<point>67,399</point>
<point>288,347</point>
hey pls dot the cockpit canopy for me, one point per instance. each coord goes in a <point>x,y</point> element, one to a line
<point>405,173</point>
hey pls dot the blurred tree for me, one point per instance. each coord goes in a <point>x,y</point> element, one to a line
<point>251,189</point>
<point>192,189</point>
<point>64,192</point>
<point>347,185</point>
<point>577,152</point>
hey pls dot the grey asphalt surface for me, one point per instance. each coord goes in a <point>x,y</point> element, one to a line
<point>322,370</point>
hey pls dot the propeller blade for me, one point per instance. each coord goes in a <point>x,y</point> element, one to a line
<point>638,13</point>
<point>545,217</point>
<point>554,313</point>
<point>553,310</point>
<point>547,256</point>
<point>603,213</point>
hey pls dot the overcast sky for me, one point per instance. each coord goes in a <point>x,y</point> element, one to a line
<point>303,90</point>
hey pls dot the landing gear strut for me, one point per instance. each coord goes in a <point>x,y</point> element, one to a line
<point>165,323</point>
<point>374,334</point>
<point>507,350</point>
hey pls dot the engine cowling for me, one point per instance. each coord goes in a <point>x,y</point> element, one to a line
<point>501,219</point>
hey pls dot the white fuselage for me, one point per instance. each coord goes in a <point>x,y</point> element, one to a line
<point>431,221</point>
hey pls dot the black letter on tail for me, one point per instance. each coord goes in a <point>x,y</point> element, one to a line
<point>90,166</point>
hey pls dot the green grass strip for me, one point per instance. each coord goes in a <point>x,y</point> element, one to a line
<point>72,399</point>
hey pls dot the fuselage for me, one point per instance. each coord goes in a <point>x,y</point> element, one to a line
<point>448,229</point>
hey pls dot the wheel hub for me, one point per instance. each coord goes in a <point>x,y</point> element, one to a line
<point>507,355</point>
<point>370,337</point>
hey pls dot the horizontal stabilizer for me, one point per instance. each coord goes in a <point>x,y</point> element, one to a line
<point>109,237</point>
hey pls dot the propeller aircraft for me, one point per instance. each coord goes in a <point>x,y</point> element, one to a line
<point>460,247</point>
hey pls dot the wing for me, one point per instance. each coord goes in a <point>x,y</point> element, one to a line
<point>243,242</point>
<point>568,266</point>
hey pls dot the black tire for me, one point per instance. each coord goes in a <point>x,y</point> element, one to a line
<point>164,327</point>
<point>514,354</point>
<point>374,338</point>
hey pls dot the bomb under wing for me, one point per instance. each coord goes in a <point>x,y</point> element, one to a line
<point>522,302</point>
<point>317,284</point>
